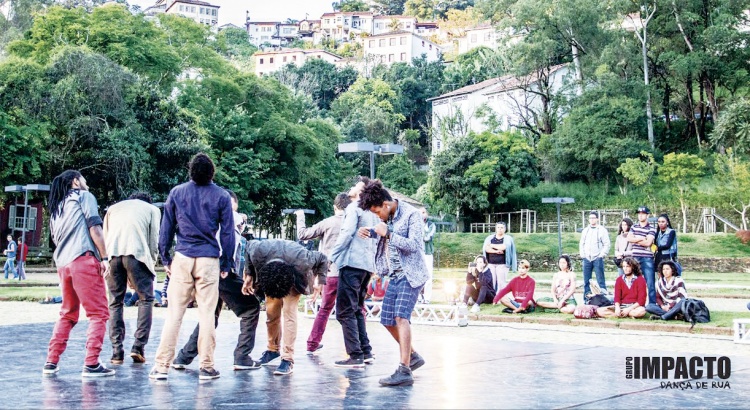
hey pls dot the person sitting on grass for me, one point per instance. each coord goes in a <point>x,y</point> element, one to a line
<point>376,292</point>
<point>670,293</point>
<point>522,287</point>
<point>479,284</point>
<point>630,293</point>
<point>563,288</point>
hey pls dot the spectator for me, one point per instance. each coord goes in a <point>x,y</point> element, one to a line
<point>623,248</point>
<point>163,294</point>
<point>670,293</point>
<point>10,261</point>
<point>23,252</point>
<point>630,293</point>
<point>500,252</point>
<point>593,248</point>
<point>429,249</point>
<point>522,287</point>
<point>376,292</point>
<point>479,284</point>
<point>563,288</point>
<point>666,242</point>
<point>642,236</point>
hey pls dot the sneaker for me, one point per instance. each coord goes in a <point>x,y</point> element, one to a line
<point>508,310</point>
<point>50,368</point>
<point>268,357</point>
<point>350,363</point>
<point>416,361</point>
<point>369,358</point>
<point>285,367</point>
<point>246,363</point>
<point>98,371</point>
<point>655,317</point>
<point>401,377</point>
<point>208,374</point>
<point>136,353</point>
<point>475,309</point>
<point>117,357</point>
<point>180,362</point>
<point>157,375</point>
<point>311,352</point>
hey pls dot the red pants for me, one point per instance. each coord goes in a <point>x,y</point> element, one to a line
<point>328,301</point>
<point>81,285</point>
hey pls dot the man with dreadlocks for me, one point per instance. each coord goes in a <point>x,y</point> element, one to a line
<point>82,263</point>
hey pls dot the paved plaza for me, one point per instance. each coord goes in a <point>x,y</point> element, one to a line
<point>480,366</point>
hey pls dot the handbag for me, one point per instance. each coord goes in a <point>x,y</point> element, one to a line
<point>617,262</point>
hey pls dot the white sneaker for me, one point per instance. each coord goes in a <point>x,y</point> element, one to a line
<point>475,309</point>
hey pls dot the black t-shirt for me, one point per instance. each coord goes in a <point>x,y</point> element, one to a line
<point>496,258</point>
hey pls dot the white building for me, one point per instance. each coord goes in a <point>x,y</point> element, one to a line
<point>484,36</point>
<point>263,33</point>
<point>344,26</point>
<point>384,24</point>
<point>199,11</point>
<point>509,99</point>
<point>271,61</point>
<point>398,46</point>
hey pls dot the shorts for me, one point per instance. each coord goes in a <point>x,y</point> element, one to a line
<point>400,299</point>
<point>529,308</point>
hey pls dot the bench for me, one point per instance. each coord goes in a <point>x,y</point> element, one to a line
<point>741,332</point>
<point>426,314</point>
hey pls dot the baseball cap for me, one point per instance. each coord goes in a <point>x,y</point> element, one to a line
<point>643,209</point>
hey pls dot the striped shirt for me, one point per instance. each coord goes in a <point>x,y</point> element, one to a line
<point>670,292</point>
<point>641,232</point>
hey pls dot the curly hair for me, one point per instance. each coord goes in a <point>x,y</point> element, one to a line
<point>143,196</point>
<point>635,266</point>
<point>672,265</point>
<point>373,194</point>
<point>276,278</point>
<point>202,169</point>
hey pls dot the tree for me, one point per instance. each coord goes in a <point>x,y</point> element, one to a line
<point>350,5</point>
<point>681,173</point>
<point>472,67</point>
<point>733,128</point>
<point>636,171</point>
<point>733,178</point>
<point>646,10</point>
<point>401,175</point>
<point>389,7</point>
<point>367,111</point>
<point>319,79</point>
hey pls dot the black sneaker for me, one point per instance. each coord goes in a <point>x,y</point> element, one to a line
<point>98,371</point>
<point>136,353</point>
<point>246,363</point>
<point>312,352</point>
<point>369,358</point>
<point>157,375</point>
<point>508,310</point>
<point>416,361</point>
<point>180,362</point>
<point>655,317</point>
<point>117,357</point>
<point>50,368</point>
<point>401,377</point>
<point>350,363</point>
<point>208,374</point>
<point>285,367</point>
<point>268,357</point>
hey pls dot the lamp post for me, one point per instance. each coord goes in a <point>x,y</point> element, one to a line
<point>380,149</point>
<point>558,201</point>
<point>25,189</point>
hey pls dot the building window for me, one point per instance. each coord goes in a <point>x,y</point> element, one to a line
<point>403,56</point>
<point>285,59</point>
<point>393,42</point>
<point>380,25</point>
<point>422,43</point>
<point>408,26</point>
<point>294,58</point>
<point>372,43</point>
<point>192,9</point>
<point>261,61</point>
<point>488,37</point>
<point>382,42</point>
<point>430,46</point>
<point>403,40</point>
<point>270,60</point>
<point>202,11</point>
<point>213,12</point>
<point>390,58</point>
<point>473,38</point>
<point>328,21</point>
<point>182,8</point>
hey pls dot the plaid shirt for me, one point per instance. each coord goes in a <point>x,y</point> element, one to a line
<point>406,238</point>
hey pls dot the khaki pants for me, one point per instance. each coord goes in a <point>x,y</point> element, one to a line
<point>287,306</point>
<point>190,275</point>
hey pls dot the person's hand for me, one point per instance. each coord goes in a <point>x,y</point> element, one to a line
<point>363,232</point>
<point>247,287</point>
<point>559,304</point>
<point>624,312</point>
<point>166,269</point>
<point>104,269</point>
<point>517,310</point>
<point>224,275</point>
<point>618,313</point>
<point>381,229</point>
<point>317,289</point>
<point>299,212</point>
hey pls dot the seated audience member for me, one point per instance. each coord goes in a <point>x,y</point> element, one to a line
<point>670,293</point>
<point>563,288</point>
<point>479,284</point>
<point>630,293</point>
<point>522,287</point>
<point>376,292</point>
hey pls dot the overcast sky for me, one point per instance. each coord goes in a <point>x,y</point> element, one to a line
<point>233,11</point>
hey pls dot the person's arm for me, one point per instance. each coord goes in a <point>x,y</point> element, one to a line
<point>504,291</point>
<point>470,278</point>
<point>413,242</point>
<point>488,246</point>
<point>347,232</point>
<point>668,244</point>
<point>313,232</point>
<point>581,243</point>
<point>153,233</point>
<point>430,232</point>
<point>529,294</point>
<point>94,222</point>
<point>555,280</point>
<point>606,243</point>
<point>226,218</point>
<point>166,233</point>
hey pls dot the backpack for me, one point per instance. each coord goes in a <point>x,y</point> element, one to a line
<point>600,301</point>
<point>585,312</point>
<point>695,311</point>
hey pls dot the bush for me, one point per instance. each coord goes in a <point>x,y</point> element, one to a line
<point>744,236</point>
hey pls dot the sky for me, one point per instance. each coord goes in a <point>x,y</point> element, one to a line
<point>233,11</point>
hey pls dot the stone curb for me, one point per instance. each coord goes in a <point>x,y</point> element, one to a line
<point>606,324</point>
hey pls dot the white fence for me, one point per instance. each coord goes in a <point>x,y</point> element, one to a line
<point>441,315</point>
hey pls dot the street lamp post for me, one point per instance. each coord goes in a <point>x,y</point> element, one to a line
<point>558,201</point>
<point>25,189</point>
<point>380,149</point>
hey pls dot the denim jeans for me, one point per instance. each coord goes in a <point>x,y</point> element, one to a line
<point>655,309</point>
<point>352,289</point>
<point>647,267</point>
<point>328,301</point>
<point>597,265</point>
<point>122,269</point>
<point>10,266</point>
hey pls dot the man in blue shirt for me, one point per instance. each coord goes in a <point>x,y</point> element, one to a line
<point>200,208</point>
<point>10,252</point>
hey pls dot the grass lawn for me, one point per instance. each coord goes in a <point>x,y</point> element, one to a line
<point>28,293</point>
